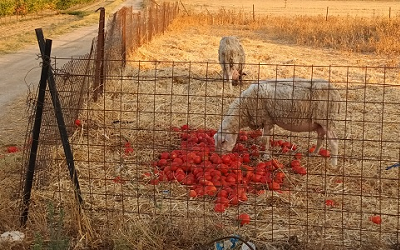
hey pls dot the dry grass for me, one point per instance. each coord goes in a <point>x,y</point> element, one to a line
<point>150,97</point>
<point>348,33</point>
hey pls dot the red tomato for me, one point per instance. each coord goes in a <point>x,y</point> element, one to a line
<point>219,208</point>
<point>256,178</point>
<point>226,159</point>
<point>274,185</point>
<point>243,197</point>
<point>128,150</point>
<point>192,194</point>
<point>164,155</point>
<point>244,219</point>
<point>312,149</point>
<point>277,164</point>
<point>376,219</point>
<point>210,190</point>
<point>223,193</point>
<point>324,152</point>
<point>285,149</point>
<point>197,159</point>
<point>329,203</point>
<point>78,123</point>
<point>279,177</point>
<point>12,149</point>
<point>255,153</point>
<point>243,138</point>
<point>299,170</point>
<point>298,156</point>
<point>295,163</point>
<point>185,127</point>
<point>154,182</point>
<point>223,168</point>
<point>180,177</point>
<point>286,144</point>
<point>246,158</point>
<point>223,200</point>
<point>234,200</point>
<point>118,179</point>
<point>214,158</point>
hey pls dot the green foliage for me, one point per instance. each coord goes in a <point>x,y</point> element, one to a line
<point>58,240</point>
<point>55,225</point>
<point>7,7</point>
<point>22,7</point>
<point>38,242</point>
<point>78,13</point>
<point>37,5</point>
<point>65,4</point>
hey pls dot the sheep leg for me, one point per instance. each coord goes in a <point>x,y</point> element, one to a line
<point>321,136</point>
<point>265,140</point>
<point>230,79</point>
<point>334,144</point>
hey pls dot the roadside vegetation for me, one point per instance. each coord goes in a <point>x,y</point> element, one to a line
<point>23,7</point>
<point>17,31</point>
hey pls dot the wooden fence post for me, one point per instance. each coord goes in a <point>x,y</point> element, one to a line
<point>254,15</point>
<point>151,22</point>
<point>327,10</point>
<point>138,33</point>
<point>99,72</point>
<point>123,35</point>
<point>163,27</point>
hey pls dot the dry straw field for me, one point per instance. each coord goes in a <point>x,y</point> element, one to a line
<point>176,80</point>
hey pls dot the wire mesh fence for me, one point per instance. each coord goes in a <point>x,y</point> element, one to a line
<point>146,149</point>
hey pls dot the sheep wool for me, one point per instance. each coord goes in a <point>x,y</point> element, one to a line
<point>231,57</point>
<point>295,104</point>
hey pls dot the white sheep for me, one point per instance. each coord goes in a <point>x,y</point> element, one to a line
<point>294,104</point>
<point>231,58</point>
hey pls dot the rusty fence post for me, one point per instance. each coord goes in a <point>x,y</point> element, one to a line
<point>123,36</point>
<point>99,61</point>
<point>139,33</point>
<point>327,12</point>
<point>151,22</point>
<point>130,30</point>
<point>254,14</point>
<point>163,26</point>
<point>157,15</point>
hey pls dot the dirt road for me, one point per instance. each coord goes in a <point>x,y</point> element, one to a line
<point>20,72</point>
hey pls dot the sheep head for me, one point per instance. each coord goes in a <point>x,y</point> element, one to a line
<point>225,140</point>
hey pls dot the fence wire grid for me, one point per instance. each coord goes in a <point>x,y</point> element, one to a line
<point>126,145</point>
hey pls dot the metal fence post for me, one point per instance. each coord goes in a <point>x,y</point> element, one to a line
<point>35,133</point>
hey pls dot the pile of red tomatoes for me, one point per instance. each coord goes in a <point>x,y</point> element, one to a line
<point>227,178</point>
